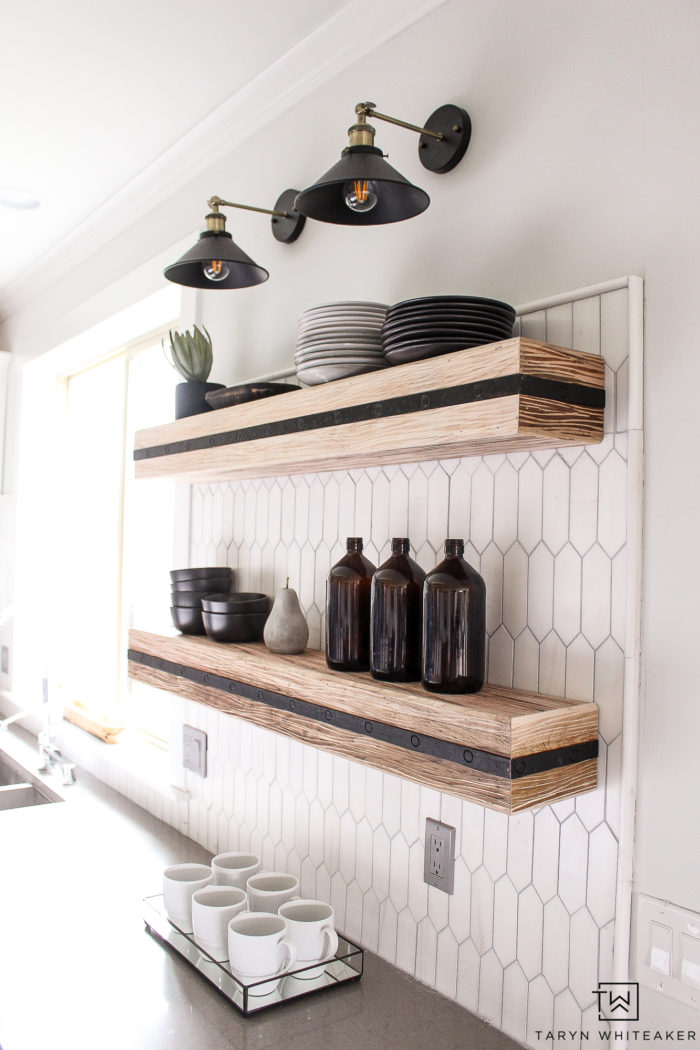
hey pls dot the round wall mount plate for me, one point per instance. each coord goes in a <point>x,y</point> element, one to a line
<point>442,155</point>
<point>287,229</point>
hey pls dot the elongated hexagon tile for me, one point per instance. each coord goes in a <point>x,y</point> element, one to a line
<point>602,874</point>
<point>406,936</point>
<point>567,593</point>
<point>583,962</point>
<point>540,591</point>
<point>573,860</point>
<point>540,1009</point>
<point>481,519</point>
<point>521,830</point>
<point>495,843</point>
<point>555,945</point>
<point>530,932</point>
<point>505,920</point>
<point>438,908</point>
<point>505,506</point>
<point>555,505</point>
<point>579,669</point>
<point>613,785</point>
<point>356,790</point>
<point>381,853</point>
<point>391,804</point>
<point>446,968</point>
<point>609,671</point>
<point>386,942</point>
<point>373,796</point>
<point>514,1012</point>
<point>410,812</point>
<point>567,1015</point>
<point>482,910</point>
<point>468,965</point>
<point>492,572</point>
<point>472,841</point>
<point>515,590</point>
<point>417,889</point>
<point>530,505</point>
<point>426,952</point>
<point>460,902</point>
<point>552,679</point>
<point>526,661</point>
<point>590,805</point>
<point>500,658</point>
<point>347,846</point>
<point>583,508</point>
<point>595,596</point>
<point>398,871</point>
<point>491,988</point>
<point>353,910</point>
<point>364,852</point>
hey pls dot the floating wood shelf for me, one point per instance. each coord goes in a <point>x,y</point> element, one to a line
<point>501,397</point>
<point>503,748</point>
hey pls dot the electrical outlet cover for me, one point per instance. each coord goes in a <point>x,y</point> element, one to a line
<point>439,866</point>
<point>194,750</point>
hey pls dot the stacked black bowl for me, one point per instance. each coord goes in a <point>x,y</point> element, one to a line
<point>188,587</point>
<point>236,617</point>
<point>440,324</point>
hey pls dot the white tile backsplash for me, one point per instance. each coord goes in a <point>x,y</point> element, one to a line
<point>528,931</point>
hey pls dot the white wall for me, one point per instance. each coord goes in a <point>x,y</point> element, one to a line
<point>582,167</point>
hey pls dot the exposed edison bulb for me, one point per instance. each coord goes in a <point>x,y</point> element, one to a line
<point>215,270</point>
<point>361,194</point>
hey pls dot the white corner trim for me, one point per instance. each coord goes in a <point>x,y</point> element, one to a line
<point>330,49</point>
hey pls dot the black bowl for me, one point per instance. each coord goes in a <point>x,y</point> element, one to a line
<point>218,584</point>
<point>212,573</point>
<point>188,621</point>
<point>236,602</point>
<point>234,627</point>
<point>187,599</point>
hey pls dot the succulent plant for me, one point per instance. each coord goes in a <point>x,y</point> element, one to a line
<point>191,354</point>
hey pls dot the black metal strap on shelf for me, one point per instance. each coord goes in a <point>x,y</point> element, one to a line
<point>443,397</point>
<point>469,757</point>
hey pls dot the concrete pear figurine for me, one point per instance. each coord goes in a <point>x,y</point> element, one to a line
<point>286,630</point>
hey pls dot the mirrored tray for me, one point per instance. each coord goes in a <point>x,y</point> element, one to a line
<point>346,966</point>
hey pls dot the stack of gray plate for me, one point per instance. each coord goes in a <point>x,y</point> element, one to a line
<point>440,324</point>
<point>339,339</point>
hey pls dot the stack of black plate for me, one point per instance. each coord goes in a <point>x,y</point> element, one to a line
<point>439,324</point>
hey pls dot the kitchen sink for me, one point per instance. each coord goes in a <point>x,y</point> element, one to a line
<point>19,787</point>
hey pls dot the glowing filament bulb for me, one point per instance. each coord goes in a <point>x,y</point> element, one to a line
<point>215,270</point>
<point>361,194</point>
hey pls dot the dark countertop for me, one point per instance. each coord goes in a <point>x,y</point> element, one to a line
<point>79,971</point>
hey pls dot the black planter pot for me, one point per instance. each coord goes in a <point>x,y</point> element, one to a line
<point>189,398</point>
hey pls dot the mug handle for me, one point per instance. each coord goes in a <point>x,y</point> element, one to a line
<point>332,941</point>
<point>290,952</point>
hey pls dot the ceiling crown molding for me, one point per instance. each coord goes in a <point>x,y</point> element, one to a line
<point>327,51</point>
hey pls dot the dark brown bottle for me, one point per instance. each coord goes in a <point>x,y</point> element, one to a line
<point>454,625</point>
<point>397,617</point>
<point>348,610</point>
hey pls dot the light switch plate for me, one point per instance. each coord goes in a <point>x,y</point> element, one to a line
<point>439,865</point>
<point>667,955</point>
<point>194,750</point>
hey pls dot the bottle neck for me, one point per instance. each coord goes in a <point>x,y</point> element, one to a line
<point>400,546</point>
<point>454,548</point>
<point>354,543</point>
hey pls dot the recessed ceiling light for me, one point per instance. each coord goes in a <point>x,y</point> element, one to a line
<point>22,200</point>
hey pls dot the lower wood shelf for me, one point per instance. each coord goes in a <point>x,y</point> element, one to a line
<point>507,749</point>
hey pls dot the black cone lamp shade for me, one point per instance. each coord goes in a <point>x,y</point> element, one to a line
<point>362,189</point>
<point>216,261</point>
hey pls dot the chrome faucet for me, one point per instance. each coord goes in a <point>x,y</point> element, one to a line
<point>50,755</point>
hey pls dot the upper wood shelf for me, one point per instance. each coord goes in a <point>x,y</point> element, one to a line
<point>516,394</point>
<point>503,748</point>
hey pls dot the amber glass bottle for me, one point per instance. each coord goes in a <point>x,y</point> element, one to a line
<point>397,615</point>
<point>454,625</point>
<point>348,610</point>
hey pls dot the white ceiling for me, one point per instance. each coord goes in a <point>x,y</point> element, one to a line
<point>93,93</point>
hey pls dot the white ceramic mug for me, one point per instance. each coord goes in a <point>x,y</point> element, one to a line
<point>234,869</point>
<point>179,883</point>
<point>268,889</point>
<point>311,929</point>
<point>212,909</point>
<point>258,947</point>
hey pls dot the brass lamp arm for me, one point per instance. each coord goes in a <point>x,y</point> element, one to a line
<point>216,202</point>
<point>366,109</point>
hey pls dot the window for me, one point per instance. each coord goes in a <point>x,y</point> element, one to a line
<point>117,537</point>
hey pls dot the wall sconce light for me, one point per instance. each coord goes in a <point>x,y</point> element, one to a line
<point>363,190</point>
<point>216,261</point>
